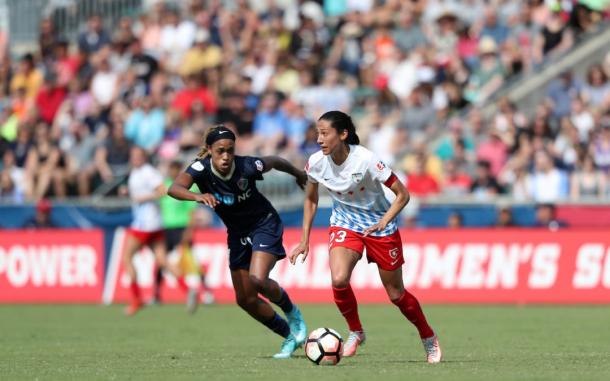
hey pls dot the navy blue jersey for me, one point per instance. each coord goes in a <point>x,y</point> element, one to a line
<point>241,204</point>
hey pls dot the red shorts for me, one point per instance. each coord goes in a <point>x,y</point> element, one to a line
<point>385,251</point>
<point>147,238</point>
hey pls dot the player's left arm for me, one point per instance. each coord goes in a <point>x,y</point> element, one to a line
<point>402,199</point>
<point>283,165</point>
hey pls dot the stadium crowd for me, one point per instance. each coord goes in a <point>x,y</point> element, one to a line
<point>412,74</point>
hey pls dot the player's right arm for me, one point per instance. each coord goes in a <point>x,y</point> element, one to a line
<point>180,191</point>
<point>309,211</point>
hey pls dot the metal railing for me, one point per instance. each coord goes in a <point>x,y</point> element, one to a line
<point>68,16</point>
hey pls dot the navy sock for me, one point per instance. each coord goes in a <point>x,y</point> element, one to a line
<point>157,285</point>
<point>278,325</point>
<point>284,302</point>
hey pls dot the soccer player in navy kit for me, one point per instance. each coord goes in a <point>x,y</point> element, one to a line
<point>228,185</point>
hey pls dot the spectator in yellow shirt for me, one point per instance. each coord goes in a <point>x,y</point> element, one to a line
<point>202,55</point>
<point>27,77</point>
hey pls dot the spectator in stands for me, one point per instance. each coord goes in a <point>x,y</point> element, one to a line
<point>546,183</point>
<point>47,38</point>
<point>50,97</point>
<point>95,36</point>
<point>234,115</point>
<point>600,147</point>
<point>419,182</point>
<point>270,124</point>
<point>456,182</point>
<point>587,181</point>
<point>455,221</point>
<point>105,84</point>
<point>408,33</point>
<point>418,112</point>
<point>560,93</point>
<point>45,166</point>
<point>554,39</point>
<point>567,146</point>
<point>597,89</point>
<point>332,94</point>
<point>494,28</point>
<point>493,151</point>
<point>485,186</point>
<point>194,92</point>
<point>143,64</point>
<point>112,157</point>
<point>42,216</point>
<point>27,77</point>
<point>80,157</point>
<point>505,218</point>
<point>203,55</point>
<point>9,192</point>
<point>582,119</point>
<point>488,76</point>
<point>546,216</point>
<point>145,125</point>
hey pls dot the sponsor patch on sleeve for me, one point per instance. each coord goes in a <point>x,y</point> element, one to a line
<point>197,166</point>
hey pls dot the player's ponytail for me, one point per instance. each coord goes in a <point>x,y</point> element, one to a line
<point>340,121</point>
<point>203,151</point>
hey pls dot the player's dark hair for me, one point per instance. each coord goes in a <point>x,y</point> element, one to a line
<point>203,152</point>
<point>340,121</point>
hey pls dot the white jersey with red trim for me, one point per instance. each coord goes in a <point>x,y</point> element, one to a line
<point>143,181</point>
<point>355,187</point>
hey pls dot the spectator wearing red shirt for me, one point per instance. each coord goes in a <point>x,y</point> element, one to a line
<point>50,97</point>
<point>421,183</point>
<point>193,93</point>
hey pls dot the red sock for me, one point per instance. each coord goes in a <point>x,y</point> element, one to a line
<point>182,284</point>
<point>135,291</point>
<point>409,306</point>
<point>347,304</point>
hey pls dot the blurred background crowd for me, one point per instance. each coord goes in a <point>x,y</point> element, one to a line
<point>412,73</point>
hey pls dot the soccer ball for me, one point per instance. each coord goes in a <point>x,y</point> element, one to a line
<point>324,346</point>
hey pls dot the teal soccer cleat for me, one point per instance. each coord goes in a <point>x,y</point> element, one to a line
<point>297,325</point>
<point>288,347</point>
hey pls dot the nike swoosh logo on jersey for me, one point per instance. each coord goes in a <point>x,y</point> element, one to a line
<point>262,245</point>
<point>221,132</point>
<point>393,263</point>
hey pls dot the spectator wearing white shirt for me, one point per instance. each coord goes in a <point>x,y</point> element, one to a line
<point>546,183</point>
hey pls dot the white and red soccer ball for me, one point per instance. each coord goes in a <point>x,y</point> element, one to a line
<point>324,346</point>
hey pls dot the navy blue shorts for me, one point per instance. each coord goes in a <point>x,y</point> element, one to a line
<point>266,236</point>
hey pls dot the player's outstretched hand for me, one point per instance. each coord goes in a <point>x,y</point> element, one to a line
<point>207,199</point>
<point>302,249</point>
<point>379,226</point>
<point>301,179</point>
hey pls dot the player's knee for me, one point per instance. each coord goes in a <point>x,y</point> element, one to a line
<point>257,283</point>
<point>394,293</point>
<point>340,280</point>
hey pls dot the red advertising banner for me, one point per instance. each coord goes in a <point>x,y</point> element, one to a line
<point>51,266</point>
<point>442,266</point>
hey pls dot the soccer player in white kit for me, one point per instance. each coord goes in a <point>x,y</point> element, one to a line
<point>145,187</point>
<point>361,218</point>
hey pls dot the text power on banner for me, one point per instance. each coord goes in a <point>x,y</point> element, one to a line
<point>51,266</point>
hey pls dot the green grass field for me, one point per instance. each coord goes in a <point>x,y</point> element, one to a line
<point>222,343</point>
